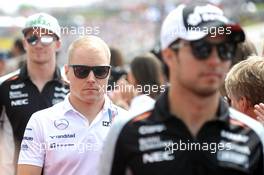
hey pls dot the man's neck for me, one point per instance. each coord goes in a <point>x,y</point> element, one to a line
<point>89,110</point>
<point>193,110</point>
<point>40,74</point>
<point>250,112</point>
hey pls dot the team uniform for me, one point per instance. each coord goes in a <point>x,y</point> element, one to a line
<point>63,142</point>
<point>20,98</point>
<point>156,142</point>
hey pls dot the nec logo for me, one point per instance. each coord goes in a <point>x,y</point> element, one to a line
<point>19,102</point>
<point>157,156</point>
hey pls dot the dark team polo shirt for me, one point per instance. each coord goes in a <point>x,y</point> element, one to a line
<point>158,143</point>
<point>20,98</point>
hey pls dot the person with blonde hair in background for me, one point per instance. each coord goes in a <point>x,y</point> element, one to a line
<point>67,138</point>
<point>244,84</point>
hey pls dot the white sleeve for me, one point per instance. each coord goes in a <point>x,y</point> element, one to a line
<point>32,151</point>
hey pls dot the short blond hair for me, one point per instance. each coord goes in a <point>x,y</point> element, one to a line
<point>246,79</point>
<point>90,42</point>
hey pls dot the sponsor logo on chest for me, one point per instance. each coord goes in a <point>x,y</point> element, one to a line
<point>16,95</point>
<point>238,151</point>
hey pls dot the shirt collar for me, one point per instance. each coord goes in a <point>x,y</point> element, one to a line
<point>107,104</point>
<point>163,111</point>
<point>24,73</point>
<point>108,109</point>
<point>67,107</point>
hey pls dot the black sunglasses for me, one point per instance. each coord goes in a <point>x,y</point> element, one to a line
<point>82,71</point>
<point>202,49</point>
<point>45,40</point>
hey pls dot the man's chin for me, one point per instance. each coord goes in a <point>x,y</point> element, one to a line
<point>91,98</point>
<point>206,92</point>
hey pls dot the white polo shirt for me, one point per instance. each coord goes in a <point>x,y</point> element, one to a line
<point>63,142</point>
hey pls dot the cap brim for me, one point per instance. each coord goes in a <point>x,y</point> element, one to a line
<point>237,33</point>
<point>25,30</point>
<point>233,31</point>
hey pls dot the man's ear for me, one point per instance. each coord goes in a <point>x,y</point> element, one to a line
<point>244,104</point>
<point>66,72</point>
<point>24,44</point>
<point>167,55</point>
<point>58,44</point>
<point>66,69</point>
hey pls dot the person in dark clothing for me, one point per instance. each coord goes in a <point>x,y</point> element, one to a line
<point>190,130</point>
<point>38,84</point>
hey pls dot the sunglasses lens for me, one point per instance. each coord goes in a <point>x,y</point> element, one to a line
<point>201,49</point>
<point>101,72</point>
<point>226,51</point>
<point>81,71</point>
<point>46,40</point>
<point>32,40</point>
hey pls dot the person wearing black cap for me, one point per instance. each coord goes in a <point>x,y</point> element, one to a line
<point>191,130</point>
<point>38,84</point>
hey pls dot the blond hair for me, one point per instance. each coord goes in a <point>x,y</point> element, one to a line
<point>89,42</point>
<point>246,79</point>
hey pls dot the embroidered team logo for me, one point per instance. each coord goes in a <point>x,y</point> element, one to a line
<point>61,124</point>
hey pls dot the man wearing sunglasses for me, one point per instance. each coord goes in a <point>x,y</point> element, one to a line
<point>67,138</point>
<point>191,130</point>
<point>38,84</point>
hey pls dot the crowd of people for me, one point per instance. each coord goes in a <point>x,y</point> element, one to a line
<point>192,107</point>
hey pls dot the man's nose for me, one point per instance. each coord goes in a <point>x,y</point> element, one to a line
<point>91,77</point>
<point>38,44</point>
<point>214,57</point>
